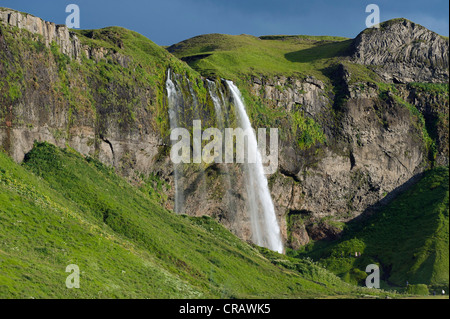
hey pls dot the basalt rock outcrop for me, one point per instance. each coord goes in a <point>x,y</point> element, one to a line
<point>402,51</point>
<point>49,93</point>
<point>66,40</point>
<point>374,148</point>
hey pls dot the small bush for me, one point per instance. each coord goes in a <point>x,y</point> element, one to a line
<point>419,289</point>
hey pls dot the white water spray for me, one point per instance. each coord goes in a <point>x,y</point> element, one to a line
<point>266,231</point>
<point>218,104</point>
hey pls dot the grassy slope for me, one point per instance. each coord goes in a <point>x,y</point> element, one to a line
<point>59,208</point>
<point>409,238</point>
<point>234,56</point>
<point>144,53</point>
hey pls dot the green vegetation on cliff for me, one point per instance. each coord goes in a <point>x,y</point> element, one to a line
<point>146,66</point>
<point>118,78</point>
<point>432,119</point>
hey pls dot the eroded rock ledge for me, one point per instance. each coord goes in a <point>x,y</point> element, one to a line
<point>402,51</point>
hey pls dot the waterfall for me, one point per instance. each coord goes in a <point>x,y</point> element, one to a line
<point>175,98</point>
<point>265,228</point>
<point>264,225</point>
<point>219,104</point>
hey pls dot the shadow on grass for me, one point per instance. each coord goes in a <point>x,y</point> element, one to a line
<point>323,51</point>
<point>360,221</point>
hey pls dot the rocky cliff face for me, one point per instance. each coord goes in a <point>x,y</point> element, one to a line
<point>66,40</point>
<point>372,148</point>
<point>49,32</point>
<point>372,136</point>
<point>401,51</point>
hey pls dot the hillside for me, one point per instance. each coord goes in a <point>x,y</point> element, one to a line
<point>234,56</point>
<point>60,208</point>
<point>94,87</point>
<point>374,55</point>
<point>86,173</point>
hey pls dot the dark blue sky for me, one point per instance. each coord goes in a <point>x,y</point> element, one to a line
<point>170,21</point>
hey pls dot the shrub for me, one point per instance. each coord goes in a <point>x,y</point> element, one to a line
<point>419,289</point>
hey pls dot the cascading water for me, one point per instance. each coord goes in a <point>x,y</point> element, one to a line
<point>265,228</point>
<point>218,104</point>
<point>264,225</point>
<point>175,97</point>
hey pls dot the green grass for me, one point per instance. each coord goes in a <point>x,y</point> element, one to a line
<point>434,88</point>
<point>409,238</point>
<point>60,208</point>
<point>236,56</point>
<point>152,60</point>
